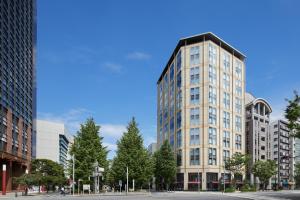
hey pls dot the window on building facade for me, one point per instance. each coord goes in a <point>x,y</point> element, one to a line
<point>226,139</point>
<point>212,74</point>
<point>238,123</point>
<point>172,140</point>
<point>212,136</point>
<point>172,72</point>
<point>226,155</point>
<point>194,76</point>
<point>238,105</point>
<point>194,95</point>
<point>194,116</point>
<point>178,61</point>
<point>226,100</point>
<point>179,158</point>
<point>194,136</point>
<point>178,120</point>
<point>194,55</point>
<point>212,95</point>
<point>212,115</point>
<point>238,70</point>
<point>238,142</point>
<point>178,139</point>
<point>226,62</point>
<point>226,82</point>
<point>212,156</point>
<point>212,54</point>
<point>238,87</point>
<point>179,99</point>
<point>178,80</point>
<point>226,119</point>
<point>195,156</point>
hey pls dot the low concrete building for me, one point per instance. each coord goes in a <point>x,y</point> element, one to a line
<point>52,142</point>
<point>152,148</point>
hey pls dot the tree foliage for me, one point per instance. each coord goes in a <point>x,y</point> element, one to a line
<point>292,114</point>
<point>43,172</point>
<point>87,149</point>
<point>264,170</point>
<point>236,164</point>
<point>164,166</point>
<point>132,154</point>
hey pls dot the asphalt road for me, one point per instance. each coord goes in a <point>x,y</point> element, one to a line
<point>284,195</point>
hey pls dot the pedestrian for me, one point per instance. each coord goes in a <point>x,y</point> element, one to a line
<point>63,190</point>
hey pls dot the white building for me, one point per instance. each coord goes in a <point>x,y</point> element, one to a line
<point>52,142</point>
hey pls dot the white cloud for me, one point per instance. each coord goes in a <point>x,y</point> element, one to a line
<point>114,131</point>
<point>138,56</point>
<point>114,67</point>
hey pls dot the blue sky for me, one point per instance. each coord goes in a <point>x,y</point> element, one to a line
<point>103,58</point>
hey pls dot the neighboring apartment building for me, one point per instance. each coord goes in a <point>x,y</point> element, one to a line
<point>200,110</point>
<point>283,153</point>
<point>52,142</point>
<point>17,87</point>
<point>257,131</point>
<point>152,148</point>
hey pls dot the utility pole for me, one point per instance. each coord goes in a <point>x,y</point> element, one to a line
<point>127,180</point>
<point>73,184</point>
<point>198,180</point>
<point>224,178</point>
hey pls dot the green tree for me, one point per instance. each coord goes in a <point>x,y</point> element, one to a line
<point>297,174</point>
<point>132,154</point>
<point>87,149</point>
<point>236,165</point>
<point>292,114</point>
<point>164,166</point>
<point>43,172</point>
<point>264,170</point>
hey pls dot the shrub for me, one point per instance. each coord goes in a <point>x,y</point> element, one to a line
<point>230,189</point>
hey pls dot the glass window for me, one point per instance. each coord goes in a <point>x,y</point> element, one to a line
<point>226,82</point>
<point>179,80</point>
<point>238,87</point>
<point>238,123</point>
<point>212,136</point>
<point>194,76</point>
<point>238,105</point>
<point>195,156</point>
<point>212,54</point>
<point>226,100</point>
<point>172,72</point>
<point>238,142</point>
<point>238,70</point>
<point>178,61</point>
<point>212,95</point>
<point>212,115</point>
<point>179,138</point>
<point>226,155</point>
<point>226,139</point>
<point>194,96</point>
<point>212,74</point>
<point>226,119</point>
<point>194,55</point>
<point>178,121</point>
<point>194,136</point>
<point>212,156</point>
<point>226,62</point>
<point>179,99</point>
<point>179,157</point>
<point>194,116</point>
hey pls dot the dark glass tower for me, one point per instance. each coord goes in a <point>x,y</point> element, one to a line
<point>17,86</point>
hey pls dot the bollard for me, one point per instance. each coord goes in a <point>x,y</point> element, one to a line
<point>16,194</point>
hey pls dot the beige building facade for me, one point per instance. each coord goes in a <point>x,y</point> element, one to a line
<point>201,99</point>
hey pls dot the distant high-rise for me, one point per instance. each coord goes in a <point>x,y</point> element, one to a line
<point>200,109</point>
<point>17,86</point>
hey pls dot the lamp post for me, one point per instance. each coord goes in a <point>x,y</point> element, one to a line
<point>73,182</point>
<point>127,180</point>
<point>4,179</point>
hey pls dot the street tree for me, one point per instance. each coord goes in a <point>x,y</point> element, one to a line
<point>264,170</point>
<point>292,114</point>
<point>164,166</point>
<point>131,153</point>
<point>236,165</point>
<point>88,149</point>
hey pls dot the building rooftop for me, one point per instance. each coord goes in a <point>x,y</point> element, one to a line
<point>199,38</point>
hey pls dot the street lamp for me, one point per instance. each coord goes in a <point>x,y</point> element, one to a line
<point>73,182</point>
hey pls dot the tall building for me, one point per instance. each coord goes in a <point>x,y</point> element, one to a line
<point>200,97</point>
<point>283,153</point>
<point>258,146</point>
<point>52,142</point>
<point>17,86</point>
